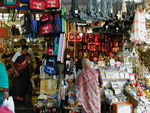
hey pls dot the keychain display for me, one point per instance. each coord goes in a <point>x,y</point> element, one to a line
<point>88,43</point>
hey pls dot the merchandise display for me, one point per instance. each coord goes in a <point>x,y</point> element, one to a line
<point>139,96</point>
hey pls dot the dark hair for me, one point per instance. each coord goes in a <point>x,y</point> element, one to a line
<point>24,47</point>
<point>23,40</point>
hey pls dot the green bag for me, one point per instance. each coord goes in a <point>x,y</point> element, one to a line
<point>9,2</point>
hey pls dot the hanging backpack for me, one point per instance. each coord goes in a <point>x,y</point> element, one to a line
<point>50,66</point>
<point>26,27</point>
<point>37,5</point>
<point>1,3</point>
<point>11,3</point>
<point>49,51</point>
<point>52,4</point>
<point>57,23</point>
<point>46,24</point>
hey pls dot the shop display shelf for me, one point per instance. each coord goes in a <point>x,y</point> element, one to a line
<point>115,79</point>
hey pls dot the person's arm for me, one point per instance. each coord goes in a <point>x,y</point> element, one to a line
<point>100,81</point>
<point>12,64</point>
<point>100,78</point>
<point>14,69</point>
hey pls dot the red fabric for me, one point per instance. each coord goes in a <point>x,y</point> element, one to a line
<point>88,91</point>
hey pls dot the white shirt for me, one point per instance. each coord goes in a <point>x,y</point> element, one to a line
<point>16,55</point>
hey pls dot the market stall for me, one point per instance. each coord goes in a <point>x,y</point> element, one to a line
<point>114,37</point>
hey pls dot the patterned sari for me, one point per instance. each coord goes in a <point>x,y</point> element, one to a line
<point>88,91</point>
<point>21,82</point>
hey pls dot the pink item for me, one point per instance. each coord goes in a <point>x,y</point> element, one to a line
<point>5,110</point>
<point>88,91</point>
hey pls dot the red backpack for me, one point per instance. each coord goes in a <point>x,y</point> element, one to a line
<point>51,4</point>
<point>46,24</point>
<point>37,4</point>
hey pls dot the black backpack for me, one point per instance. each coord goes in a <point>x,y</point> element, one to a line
<point>26,27</point>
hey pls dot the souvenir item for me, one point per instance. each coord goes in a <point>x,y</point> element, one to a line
<point>139,33</point>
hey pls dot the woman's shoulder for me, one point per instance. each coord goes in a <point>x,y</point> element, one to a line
<point>1,64</point>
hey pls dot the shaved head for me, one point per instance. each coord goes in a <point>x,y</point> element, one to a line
<point>86,63</point>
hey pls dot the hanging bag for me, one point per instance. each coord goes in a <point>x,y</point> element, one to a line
<point>52,4</point>
<point>37,4</point>
<point>1,3</point>
<point>46,24</point>
<point>57,23</point>
<point>11,3</point>
<point>26,27</point>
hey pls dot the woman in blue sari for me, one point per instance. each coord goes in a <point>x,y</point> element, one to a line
<point>4,83</point>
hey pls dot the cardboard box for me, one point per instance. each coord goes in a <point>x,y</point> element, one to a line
<point>123,107</point>
<point>48,86</point>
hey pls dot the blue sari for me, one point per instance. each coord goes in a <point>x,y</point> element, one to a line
<point>4,82</point>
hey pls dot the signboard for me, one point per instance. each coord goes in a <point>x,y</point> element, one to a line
<point>4,32</point>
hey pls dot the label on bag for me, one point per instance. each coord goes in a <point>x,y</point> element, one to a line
<point>37,5</point>
<point>45,29</point>
<point>46,18</point>
<point>51,3</point>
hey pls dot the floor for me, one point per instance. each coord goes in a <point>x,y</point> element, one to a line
<point>25,107</point>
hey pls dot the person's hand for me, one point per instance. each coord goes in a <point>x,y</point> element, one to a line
<point>76,102</point>
<point>16,74</point>
<point>101,86</point>
<point>6,95</point>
